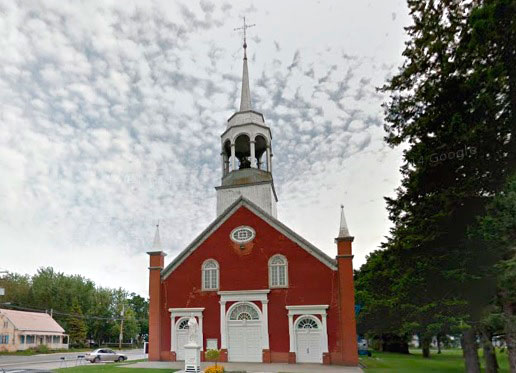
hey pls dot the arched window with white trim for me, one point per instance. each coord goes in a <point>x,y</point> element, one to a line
<point>278,271</point>
<point>210,275</point>
<point>244,311</point>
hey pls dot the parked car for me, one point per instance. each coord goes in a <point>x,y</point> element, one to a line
<point>104,354</point>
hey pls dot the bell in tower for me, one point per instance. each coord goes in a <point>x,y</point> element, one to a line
<point>246,155</point>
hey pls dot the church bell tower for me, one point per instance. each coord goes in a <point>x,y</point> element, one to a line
<point>246,152</point>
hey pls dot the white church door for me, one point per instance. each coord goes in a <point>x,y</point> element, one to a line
<point>181,338</point>
<point>244,332</point>
<point>308,340</point>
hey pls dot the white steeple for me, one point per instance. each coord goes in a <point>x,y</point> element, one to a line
<point>245,98</point>
<point>246,153</point>
<point>343,228</point>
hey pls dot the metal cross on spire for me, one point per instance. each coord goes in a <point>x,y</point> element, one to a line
<point>244,29</point>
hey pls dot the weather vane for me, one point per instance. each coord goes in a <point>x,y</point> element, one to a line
<point>244,29</point>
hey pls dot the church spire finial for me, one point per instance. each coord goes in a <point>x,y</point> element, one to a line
<point>156,245</point>
<point>343,228</point>
<point>245,99</point>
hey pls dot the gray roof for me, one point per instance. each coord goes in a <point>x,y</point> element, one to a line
<point>273,222</point>
<point>246,176</point>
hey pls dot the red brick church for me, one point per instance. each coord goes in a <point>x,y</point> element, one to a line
<point>259,291</point>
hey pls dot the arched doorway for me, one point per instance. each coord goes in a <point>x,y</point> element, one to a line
<point>181,337</point>
<point>244,323</point>
<point>308,339</point>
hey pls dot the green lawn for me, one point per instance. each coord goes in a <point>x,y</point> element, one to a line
<point>450,361</point>
<point>112,368</point>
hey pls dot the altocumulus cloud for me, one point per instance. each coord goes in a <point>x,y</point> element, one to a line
<point>111,112</point>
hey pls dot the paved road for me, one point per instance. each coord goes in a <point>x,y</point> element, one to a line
<point>36,363</point>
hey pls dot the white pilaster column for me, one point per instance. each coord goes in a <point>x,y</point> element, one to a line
<point>269,164</point>
<point>253,156</point>
<point>223,343</point>
<point>222,157</point>
<point>233,157</point>
<point>172,333</point>
<point>325,334</point>
<point>201,335</point>
<point>291,333</point>
<point>265,325</point>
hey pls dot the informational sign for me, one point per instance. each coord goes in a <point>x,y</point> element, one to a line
<point>211,344</point>
<point>2,291</point>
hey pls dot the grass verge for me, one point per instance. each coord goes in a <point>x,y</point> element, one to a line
<point>113,368</point>
<point>449,361</point>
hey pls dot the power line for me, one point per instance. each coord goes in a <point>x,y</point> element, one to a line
<point>65,314</point>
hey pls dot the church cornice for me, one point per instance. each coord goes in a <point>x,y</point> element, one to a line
<point>245,125</point>
<point>250,184</point>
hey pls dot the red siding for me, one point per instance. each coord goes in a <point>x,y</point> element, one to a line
<point>310,281</point>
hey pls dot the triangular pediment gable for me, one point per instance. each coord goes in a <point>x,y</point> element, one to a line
<point>273,222</point>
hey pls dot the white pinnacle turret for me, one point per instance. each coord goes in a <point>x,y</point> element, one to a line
<point>156,245</point>
<point>343,228</point>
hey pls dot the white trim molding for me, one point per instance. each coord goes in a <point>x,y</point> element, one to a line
<point>242,228</point>
<point>244,296</point>
<point>307,310</point>
<point>273,266</point>
<point>223,327</point>
<point>185,312</point>
<point>211,270</point>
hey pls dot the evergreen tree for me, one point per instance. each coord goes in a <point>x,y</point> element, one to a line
<point>497,230</point>
<point>453,104</point>
<point>77,329</point>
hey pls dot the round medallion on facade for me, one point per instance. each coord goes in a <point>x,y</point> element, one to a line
<point>242,234</point>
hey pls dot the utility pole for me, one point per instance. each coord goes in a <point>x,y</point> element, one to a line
<point>121,337</point>
<point>2,290</point>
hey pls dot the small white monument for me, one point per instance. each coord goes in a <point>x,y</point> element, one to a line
<point>192,348</point>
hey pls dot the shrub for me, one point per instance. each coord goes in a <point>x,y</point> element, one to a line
<point>42,349</point>
<point>214,369</point>
<point>212,355</point>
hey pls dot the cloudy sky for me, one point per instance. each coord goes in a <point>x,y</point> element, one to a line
<point>111,115</point>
